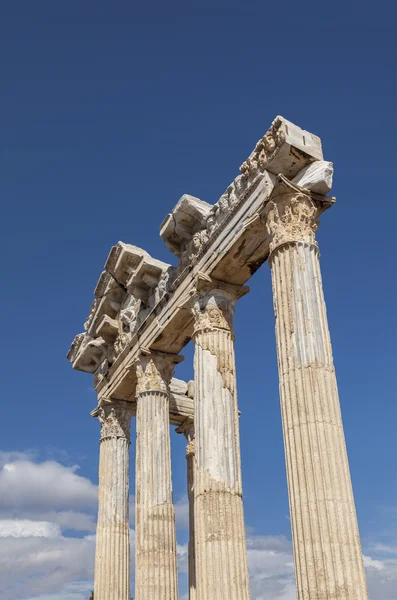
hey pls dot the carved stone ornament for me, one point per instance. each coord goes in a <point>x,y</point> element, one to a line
<point>115,420</point>
<point>192,249</point>
<point>154,371</point>
<point>264,149</point>
<point>291,218</point>
<point>75,347</point>
<point>213,310</point>
<point>187,428</point>
<point>226,203</point>
<point>90,317</point>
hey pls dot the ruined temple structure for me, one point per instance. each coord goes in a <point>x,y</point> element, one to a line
<point>143,314</point>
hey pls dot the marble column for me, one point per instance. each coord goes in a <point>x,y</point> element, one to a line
<point>112,556</point>
<point>221,555</point>
<point>326,541</point>
<point>155,538</point>
<point>187,428</point>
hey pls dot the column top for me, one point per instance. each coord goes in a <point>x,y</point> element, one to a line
<point>292,213</point>
<point>212,303</point>
<point>154,370</point>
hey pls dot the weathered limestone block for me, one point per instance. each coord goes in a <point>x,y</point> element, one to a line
<point>109,295</point>
<point>155,540</point>
<point>190,388</point>
<point>123,260</point>
<point>75,347</point>
<point>285,149</point>
<point>221,556</point>
<point>108,329</point>
<point>187,218</point>
<point>178,386</point>
<point>87,353</point>
<point>112,555</point>
<point>187,428</point>
<point>316,177</point>
<point>326,542</point>
<point>146,277</point>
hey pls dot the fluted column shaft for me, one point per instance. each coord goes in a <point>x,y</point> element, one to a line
<point>326,542</point>
<point>220,545</point>
<point>112,556</point>
<point>156,565</point>
<point>187,428</point>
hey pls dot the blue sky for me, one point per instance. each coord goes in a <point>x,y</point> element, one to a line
<point>109,113</point>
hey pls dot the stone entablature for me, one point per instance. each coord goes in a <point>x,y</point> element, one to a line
<point>227,241</point>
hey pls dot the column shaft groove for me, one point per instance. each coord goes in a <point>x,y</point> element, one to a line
<point>112,557</point>
<point>156,568</point>
<point>327,548</point>
<point>220,544</point>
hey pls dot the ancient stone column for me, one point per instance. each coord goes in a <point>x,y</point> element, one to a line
<point>155,538</point>
<point>221,556</point>
<point>112,556</point>
<point>326,542</point>
<point>187,428</point>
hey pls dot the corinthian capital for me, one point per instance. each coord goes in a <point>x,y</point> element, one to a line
<point>291,217</point>
<point>187,428</point>
<point>115,419</point>
<point>213,303</point>
<point>155,370</point>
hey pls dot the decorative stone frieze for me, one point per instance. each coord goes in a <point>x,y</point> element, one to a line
<point>285,148</point>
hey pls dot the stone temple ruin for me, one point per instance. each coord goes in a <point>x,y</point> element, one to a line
<point>143,314</point>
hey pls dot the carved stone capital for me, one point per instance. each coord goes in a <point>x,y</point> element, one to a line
<point>115,419</point>
<point>213,303</point>
<point>187,428</point>
<point>291,218</point>
<point>154,371</point>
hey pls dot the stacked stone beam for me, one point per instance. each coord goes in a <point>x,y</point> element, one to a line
<point>155,539</point>
<point>221,556</point>
<point>112,557</point>
<point>326,542</point>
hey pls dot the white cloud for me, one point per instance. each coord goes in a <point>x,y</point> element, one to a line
<point>182,513</point>
<point>14,455</point>
<point>40,500</point>
<point>35,566</point>
<point>271,567</point>
<point>23,528</point>
<point>48,485</point>
<point>381,577</point>
<point>74,591</point>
